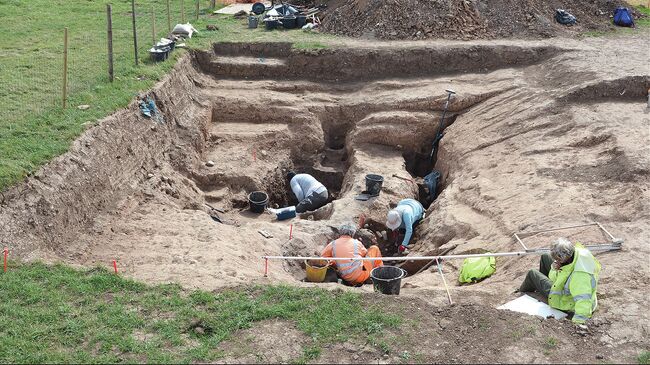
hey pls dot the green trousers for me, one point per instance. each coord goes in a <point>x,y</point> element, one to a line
<point>537,280</point>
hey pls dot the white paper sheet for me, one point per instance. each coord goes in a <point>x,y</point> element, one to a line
<point>529,305</point>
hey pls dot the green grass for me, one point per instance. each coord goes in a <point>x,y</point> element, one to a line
<point>310,45</point>
<point>308,354</point>
<point>551,342</point>
<point>644,358</point>
<point>643,22</point>
<point>55,314</point>
<point>33,126</point>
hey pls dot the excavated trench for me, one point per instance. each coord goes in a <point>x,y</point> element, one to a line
<point>256,111</point>
<point>339,115</point>
<point>537,137</point>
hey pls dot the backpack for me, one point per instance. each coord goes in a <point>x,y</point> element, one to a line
<point>476,269</point>
<point>623,17</point>
<point>563,17</point>
<point>431,181</point>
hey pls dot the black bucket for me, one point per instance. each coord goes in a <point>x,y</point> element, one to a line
<point>373,184</point>
<point>257,201</point>
<point>387,279</point>
<point>289,22</point>
<point>159,55</point>
<point>271,24</point>
<point>301,20</point>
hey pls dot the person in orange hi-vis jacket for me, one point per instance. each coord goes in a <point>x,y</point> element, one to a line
<point>354,272</point>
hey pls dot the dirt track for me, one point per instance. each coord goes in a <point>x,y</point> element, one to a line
<point>544,134</point>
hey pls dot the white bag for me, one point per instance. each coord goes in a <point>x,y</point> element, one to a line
<point>184,30</point>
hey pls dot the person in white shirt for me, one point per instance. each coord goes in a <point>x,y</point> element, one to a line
<point>311,194</point>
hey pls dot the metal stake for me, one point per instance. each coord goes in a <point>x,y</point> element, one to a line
<point>444,282</point>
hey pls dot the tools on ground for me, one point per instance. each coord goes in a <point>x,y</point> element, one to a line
<point>404,178</point>
<point>213,208</point>
<point>265,234</point>
<point>213,213</point>
<point>438,137</point>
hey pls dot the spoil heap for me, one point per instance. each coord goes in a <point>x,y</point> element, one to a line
<point>462,19</point>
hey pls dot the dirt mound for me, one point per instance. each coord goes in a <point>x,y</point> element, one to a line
<point>461,19</point>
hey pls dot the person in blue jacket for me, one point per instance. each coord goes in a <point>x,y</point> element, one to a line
<point>404,216</point>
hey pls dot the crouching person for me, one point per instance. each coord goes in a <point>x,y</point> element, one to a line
<point>311,194</point>
<point>568,277</point>
<point>354,272</point>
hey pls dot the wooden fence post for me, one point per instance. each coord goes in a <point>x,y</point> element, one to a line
<point>153,24</point>
<point>109,35</point>
<point>135,33</point>
<point>65,66</point>
<point>169,18</point>
<point>197,9</point>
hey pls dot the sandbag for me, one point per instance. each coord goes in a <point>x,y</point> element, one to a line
<point>185,30</point>
<point>475,269</point>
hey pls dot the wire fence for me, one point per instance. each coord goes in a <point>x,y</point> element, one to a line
<point>32,73</point>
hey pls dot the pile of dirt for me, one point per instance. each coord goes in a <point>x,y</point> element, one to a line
<point>462,19</point>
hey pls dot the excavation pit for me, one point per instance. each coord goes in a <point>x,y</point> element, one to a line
<point>547,133</point>
<point>235,125</point>
<point>331,113</point>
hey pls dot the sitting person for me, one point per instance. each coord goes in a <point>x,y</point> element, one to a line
<point>354,272</point>
<point>310,193</point>
<point>568,278</point>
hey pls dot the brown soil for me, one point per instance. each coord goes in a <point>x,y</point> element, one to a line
<point>461,19</point>
<point>540,135</point>
<point>468,333</point>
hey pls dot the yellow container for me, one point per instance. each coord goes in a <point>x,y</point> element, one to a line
<point>316,270</point>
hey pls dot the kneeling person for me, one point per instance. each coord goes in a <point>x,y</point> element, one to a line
<point>354,272</point>
<point>310,193</point>
<point>407,213</point>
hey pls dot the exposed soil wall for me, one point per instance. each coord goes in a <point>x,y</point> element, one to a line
<point>103,167</point>
<point>344,65</point>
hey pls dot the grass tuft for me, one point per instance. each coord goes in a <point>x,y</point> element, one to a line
<point>644,358</point>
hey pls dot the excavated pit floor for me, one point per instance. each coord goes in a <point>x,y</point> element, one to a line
<point>537,136</point>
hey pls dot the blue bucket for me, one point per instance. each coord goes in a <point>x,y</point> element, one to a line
<point>286,213</point>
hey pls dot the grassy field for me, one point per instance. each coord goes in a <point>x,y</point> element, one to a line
<point>54,314</point>
<point>33,126</point>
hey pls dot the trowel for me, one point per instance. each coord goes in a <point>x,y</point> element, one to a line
<point>365,195</point>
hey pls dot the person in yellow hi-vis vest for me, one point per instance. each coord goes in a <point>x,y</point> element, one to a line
<point>568,277</point>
